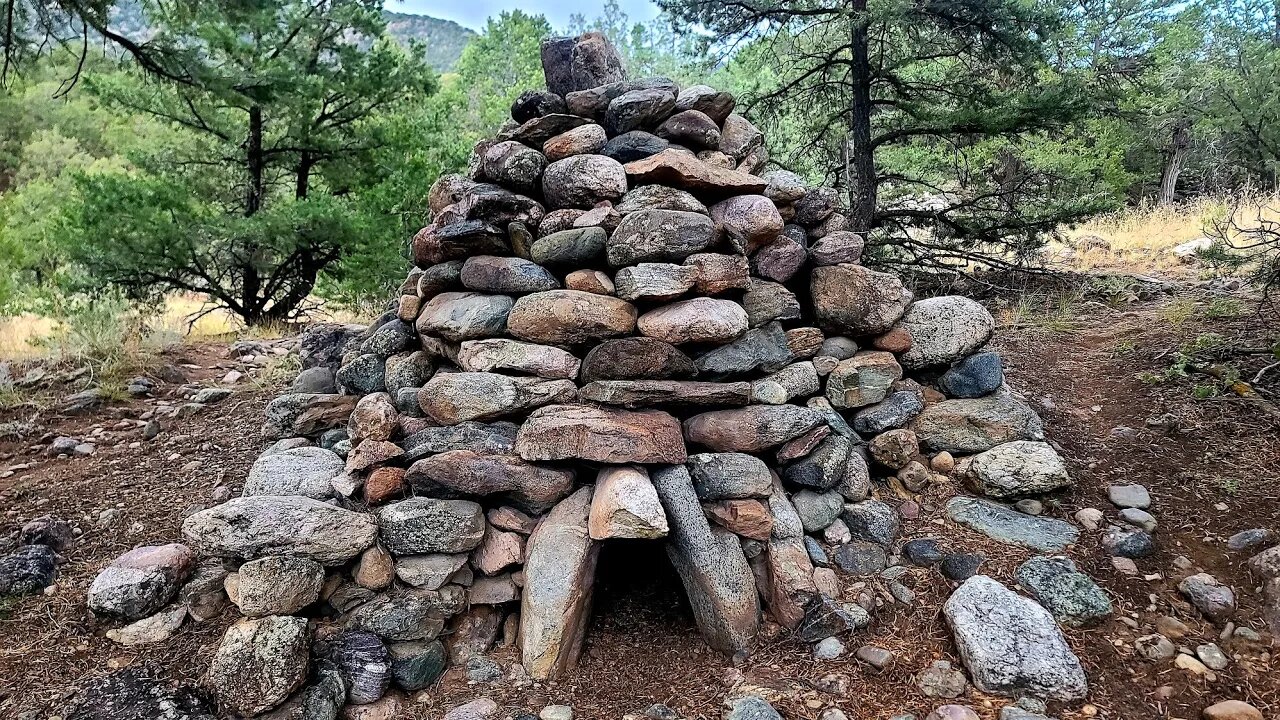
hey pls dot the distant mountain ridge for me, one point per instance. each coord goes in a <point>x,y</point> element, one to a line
<point>442,40</point>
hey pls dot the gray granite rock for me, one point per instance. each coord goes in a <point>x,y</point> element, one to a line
<point>1007,525</point>
<point>1070,595</point>
<point>1011,645</point>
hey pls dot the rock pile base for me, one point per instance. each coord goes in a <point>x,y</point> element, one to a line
<point>619,326</point>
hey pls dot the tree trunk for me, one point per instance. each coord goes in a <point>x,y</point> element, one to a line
<point>255,164</point>
<point>305,163</point>
<point>1175,155</point>
<point>859,155</point>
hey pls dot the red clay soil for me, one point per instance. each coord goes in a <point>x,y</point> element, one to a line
<point>1203,456</point>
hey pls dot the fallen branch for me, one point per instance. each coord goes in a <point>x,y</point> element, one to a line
<point>1239,388</point>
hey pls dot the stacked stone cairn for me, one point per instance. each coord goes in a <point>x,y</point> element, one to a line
<point>620,326</point>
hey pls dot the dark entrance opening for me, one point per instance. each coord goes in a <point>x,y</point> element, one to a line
<point>638,590</point>
<point>642,644</point>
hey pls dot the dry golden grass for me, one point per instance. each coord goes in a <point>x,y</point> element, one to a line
<point>1142,238</point>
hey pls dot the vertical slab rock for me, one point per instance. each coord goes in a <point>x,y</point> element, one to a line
<point>559,572</point>
<point>717,578</point>
<point>1011,645</point>
<point>626,505</point>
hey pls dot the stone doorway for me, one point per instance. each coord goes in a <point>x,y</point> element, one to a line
<point>638,592</point>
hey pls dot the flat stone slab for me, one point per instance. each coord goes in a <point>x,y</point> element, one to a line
<point>1002,523</point>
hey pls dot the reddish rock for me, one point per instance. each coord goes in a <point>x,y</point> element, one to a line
<point>464,471</point>
<point>750,429</point>
<point>374,418</point>
<point>854,300</point>
<point>748,518</point>
<point>803,445</point>
<point>789,580</point>
<point>509,518</point>
<point>371,453</point>
<point>779,260</point>
<point>749,222</point>
<point>564,432</point>
<point>498,551</point>
<point>837,247</point>
<point>897,340</point>
<point>569,317</point>
<point>383,484</point>
<point>591,281</point>
<point>696,320</point>
<point>626,505</point>
<point>718,273</point>
<point>804,342</point>
<point>582,140</point>
<point>408,308</point>
<point>686,172</point>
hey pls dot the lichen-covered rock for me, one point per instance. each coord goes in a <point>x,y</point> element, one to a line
<point>259,663</point>
<point>976,425</point>
<point>275,585</point>
<point>1073,597</point>
<point>1011,645</point>
<point>659,236</point>
<point>633,394</point>
<point>1003,523</point>
<point>305,471</point>
<point>141,581</point>
<point>421,526</point>
<point>717,579</point>
<point>654,282</point>
<point>944,329</point>
<point>1021,467</point>
<point>306,414</point>
<point>489,274</point>
<point>514,164</point>
<point>864,379</point>
<point>569,247</point>
<point>461,316</point>
<point>581,181</point>
<point>625,505</point>
<point>729,476</point>
<point>253,527</point>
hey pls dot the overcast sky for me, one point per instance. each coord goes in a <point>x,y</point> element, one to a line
<point>472,13</point>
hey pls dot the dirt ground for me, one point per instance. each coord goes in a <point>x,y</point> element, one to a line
<point>1211,465</point>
